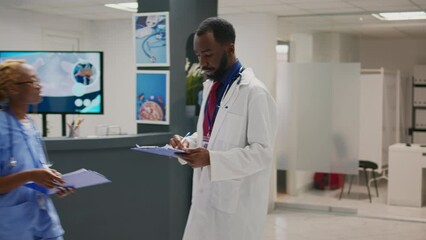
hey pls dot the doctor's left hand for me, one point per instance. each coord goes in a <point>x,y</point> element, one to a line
<point>197,157</point>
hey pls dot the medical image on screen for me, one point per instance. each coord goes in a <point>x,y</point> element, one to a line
<point>71,81</point>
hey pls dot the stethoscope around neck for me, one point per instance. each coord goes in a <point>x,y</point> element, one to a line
<point>228,86</point>
<point>229,83</point>
<point>12,160</point>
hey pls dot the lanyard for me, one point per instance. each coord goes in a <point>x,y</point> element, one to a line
<point>37,163</point>
<point>220,95</point>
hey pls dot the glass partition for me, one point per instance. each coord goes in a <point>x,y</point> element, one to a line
<point>319,131</point>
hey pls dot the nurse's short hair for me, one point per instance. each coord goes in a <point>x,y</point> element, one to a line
<point>222,30</point>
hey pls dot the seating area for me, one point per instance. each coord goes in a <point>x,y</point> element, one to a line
<point>365,166</point>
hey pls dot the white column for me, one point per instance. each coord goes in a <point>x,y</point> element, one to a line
<point>255,44</point>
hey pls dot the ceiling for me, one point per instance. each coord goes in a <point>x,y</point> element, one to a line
<point>294,16</point>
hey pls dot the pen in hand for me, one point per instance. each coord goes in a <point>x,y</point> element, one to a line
<point>183,140</point>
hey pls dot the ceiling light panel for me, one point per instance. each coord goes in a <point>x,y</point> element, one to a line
<point>400,16</point>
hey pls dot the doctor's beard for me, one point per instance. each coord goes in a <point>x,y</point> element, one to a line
<point>218,74</point>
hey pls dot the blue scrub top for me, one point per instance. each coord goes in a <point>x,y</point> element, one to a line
<point>25,213</point>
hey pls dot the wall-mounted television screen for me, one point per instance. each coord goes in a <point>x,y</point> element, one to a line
<point>72,82</point>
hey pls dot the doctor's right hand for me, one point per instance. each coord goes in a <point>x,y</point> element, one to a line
<point>47,178</point>
<point>179,142</point>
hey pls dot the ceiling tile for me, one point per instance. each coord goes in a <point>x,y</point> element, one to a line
<point>312,15</point>
<point>334,11</point>
<point>102,2</point>
<point>123,15</point>
<point>378,2</point>
<point>286,12</point>
<point>390,8</point>
<point>56,11</point>
<point>27,4</point>
<point>285,9</point>
<point>310,1</point>
<point>306,21</point>
<point>383,4</point>
<point>233,3</point>
<point>319,5</point>
<point>421,3</point>
<point>96,9</point>
<point>230,10</point>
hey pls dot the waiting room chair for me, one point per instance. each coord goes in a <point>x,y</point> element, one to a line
<point>364,165</point>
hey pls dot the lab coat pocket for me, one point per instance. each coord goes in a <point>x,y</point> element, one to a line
<point>226,195</point>
<point>17,221</point>
<point>231,129</point>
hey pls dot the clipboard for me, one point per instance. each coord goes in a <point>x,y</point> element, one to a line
<point>77,179</point>
<point>166,150</point>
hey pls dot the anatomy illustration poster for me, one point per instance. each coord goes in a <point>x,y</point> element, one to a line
<point>152,97</point>
<point>151,37</point>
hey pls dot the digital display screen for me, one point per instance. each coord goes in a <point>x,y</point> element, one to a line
<point>72,82</point>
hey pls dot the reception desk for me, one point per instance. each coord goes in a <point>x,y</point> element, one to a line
<point>407,178</point>
<point>149,197</point>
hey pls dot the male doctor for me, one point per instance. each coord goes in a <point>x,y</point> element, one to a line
<point>231,152</point>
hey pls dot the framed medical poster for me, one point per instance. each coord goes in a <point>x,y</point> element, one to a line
<point>152,97</point>
<point>151,38</point>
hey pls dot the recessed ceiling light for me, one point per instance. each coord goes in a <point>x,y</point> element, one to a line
<point>395,16</point>
<point>131,6</point>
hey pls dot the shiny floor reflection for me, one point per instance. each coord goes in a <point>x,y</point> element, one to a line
<point>287,224</point>
<point>357,200</point>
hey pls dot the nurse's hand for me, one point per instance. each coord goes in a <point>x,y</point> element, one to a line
<point>178,142</point>
<point>46,178</point>
<point>197,157</point>
<point>64,191</point>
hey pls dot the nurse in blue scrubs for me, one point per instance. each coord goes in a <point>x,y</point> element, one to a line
<point>25,213</point>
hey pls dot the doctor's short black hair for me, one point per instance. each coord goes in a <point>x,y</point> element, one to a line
<point>222,30</point>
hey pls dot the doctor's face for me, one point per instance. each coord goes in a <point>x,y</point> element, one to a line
<point>27,86</point>
<point>214,57</point>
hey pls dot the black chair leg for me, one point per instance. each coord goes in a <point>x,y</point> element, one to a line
<point>350,184</point>
<point>366,183</point>
<point>343,186</point>
<point>375,183</point>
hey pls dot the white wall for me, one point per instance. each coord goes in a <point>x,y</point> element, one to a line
<point>301,47</point>
<point>115,39</point>
<point>335,47</point>
<point>255,44</point>
<point>395,54</point>
<point>323,47</point>
<point>23,30</point>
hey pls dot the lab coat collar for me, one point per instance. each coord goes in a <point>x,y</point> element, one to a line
<point>246,77</point>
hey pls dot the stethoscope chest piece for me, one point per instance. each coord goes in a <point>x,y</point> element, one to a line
<point>12,162</point>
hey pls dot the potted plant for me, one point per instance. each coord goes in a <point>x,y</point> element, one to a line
<point>194,86</point>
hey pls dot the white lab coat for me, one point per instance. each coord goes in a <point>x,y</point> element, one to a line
<point>230,197</point>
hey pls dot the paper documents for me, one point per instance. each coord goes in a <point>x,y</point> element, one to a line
<point>166,150</point>
<point>77,179</point>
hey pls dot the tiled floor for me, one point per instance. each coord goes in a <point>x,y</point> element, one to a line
<point>357,201</point>
<point>285,224</point>
<point>353,217</point>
